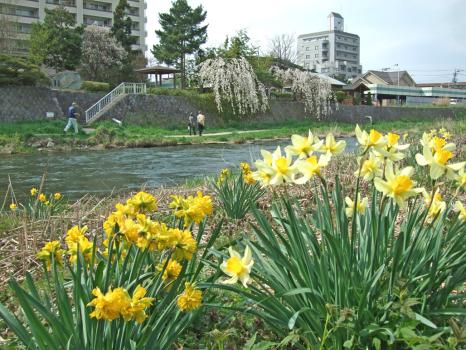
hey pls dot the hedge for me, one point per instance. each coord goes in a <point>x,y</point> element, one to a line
<point>95,86</point>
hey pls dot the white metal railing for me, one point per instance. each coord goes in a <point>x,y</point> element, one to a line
<point>122,89</point>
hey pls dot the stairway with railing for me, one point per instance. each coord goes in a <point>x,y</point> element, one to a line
<point>105,103</point>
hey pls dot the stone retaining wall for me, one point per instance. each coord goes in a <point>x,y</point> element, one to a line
<point>19,103</point>
<point>26,103</point>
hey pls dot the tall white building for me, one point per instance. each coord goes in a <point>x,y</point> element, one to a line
<point>22,13</point>
<point>333,52</point>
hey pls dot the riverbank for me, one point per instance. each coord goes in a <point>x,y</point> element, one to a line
<point>46,136</point>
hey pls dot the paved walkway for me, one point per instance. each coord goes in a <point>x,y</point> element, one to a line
<point>219,133</point>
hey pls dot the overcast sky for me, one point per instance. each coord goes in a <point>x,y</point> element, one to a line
<point>425,37</point>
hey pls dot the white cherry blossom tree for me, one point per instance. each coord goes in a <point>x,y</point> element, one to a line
<point>101,53</point>
<point>315,91</point>
<point>234,82</point>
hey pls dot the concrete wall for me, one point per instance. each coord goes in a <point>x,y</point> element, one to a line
<point>22,103</point>
<point>32,103</point>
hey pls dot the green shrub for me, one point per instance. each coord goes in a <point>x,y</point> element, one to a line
<point>284,95</point>
<point>340,96</point>
<point>94,86</point>
<point>19,71</point>
<point>236,196</point>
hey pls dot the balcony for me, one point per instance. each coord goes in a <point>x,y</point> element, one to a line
<point>101,22</point>
<point>69,3</point>
<point>97,6</point>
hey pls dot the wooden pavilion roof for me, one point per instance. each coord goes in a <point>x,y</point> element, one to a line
<point>158,70</point>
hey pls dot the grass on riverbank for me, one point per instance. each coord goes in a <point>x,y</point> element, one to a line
<point>25,137</point>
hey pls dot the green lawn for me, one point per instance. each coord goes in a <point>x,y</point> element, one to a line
<point>26,136</point>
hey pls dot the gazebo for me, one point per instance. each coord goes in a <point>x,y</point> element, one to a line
<point>158,71</point>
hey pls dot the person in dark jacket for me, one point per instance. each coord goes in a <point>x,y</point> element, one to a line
<point>192,124</point>
<point>72,118</point>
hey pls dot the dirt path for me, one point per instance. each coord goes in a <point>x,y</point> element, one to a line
<point>220,133</point>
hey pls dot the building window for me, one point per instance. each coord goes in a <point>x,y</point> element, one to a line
<point>307,48</point>
<point>308,56</point>
<point>317,47</point>
<point>316,55</point>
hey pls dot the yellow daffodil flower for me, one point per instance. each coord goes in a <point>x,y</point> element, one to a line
<point>310,167</point>
<point>42,197</point>
<point>436,143</point>
<point>361,207</point>
<point>373,139</point>
<point>392,150</point>
<point>142,202</point>
<point>224,173</point>
<point>398,185</point>
<point>461,209</point>
<point>283,170</point>
<point>13,206</point>
<point>34,191</point>
<point>332,147</point>
<point>109,306</point>
<point>371,168</point>
<point>460,178</point>
<point>190,299</point>
<point>303,147</point>
<point>75,240</point>
<point>139,302</point>
<point>237,267</point>
<point>171,272</point>
<point>436,205</point>
<point>51,249</point>
<point>57,196</point>
<point>438,162</point>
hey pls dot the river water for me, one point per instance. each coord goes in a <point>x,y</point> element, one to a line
<point>101,172</point>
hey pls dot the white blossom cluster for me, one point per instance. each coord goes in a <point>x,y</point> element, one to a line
<point>101,52</point>
<point>314,90</point>
<point>233,81</point>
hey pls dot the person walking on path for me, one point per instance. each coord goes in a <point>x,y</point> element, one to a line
<point>200,123</point>
<point>192,124</point>
<point>72,118</point>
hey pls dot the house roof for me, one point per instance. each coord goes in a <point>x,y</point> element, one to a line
<point>331,80</point>
<point>390,78</point>
<point>335,14</point>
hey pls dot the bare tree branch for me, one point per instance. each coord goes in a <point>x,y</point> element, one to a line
<point>283,47</point>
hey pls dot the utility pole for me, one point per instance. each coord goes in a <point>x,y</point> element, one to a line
<point>397,83</point>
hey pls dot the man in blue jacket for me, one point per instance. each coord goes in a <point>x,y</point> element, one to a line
<point>72,118</point>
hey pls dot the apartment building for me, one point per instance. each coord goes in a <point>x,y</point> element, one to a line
<point>22,13</point>
<point>333,52</point>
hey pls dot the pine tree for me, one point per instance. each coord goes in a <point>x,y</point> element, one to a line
<point>57,41</point>
<point>121,29</point>
<point>181,34</point>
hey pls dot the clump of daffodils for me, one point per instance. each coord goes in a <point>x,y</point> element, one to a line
<point>379,164</point>
<point>132,225</point>
<point>192,209</point>
<point>312,155</point>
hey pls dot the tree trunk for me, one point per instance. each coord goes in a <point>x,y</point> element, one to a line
<point>183,71</point>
